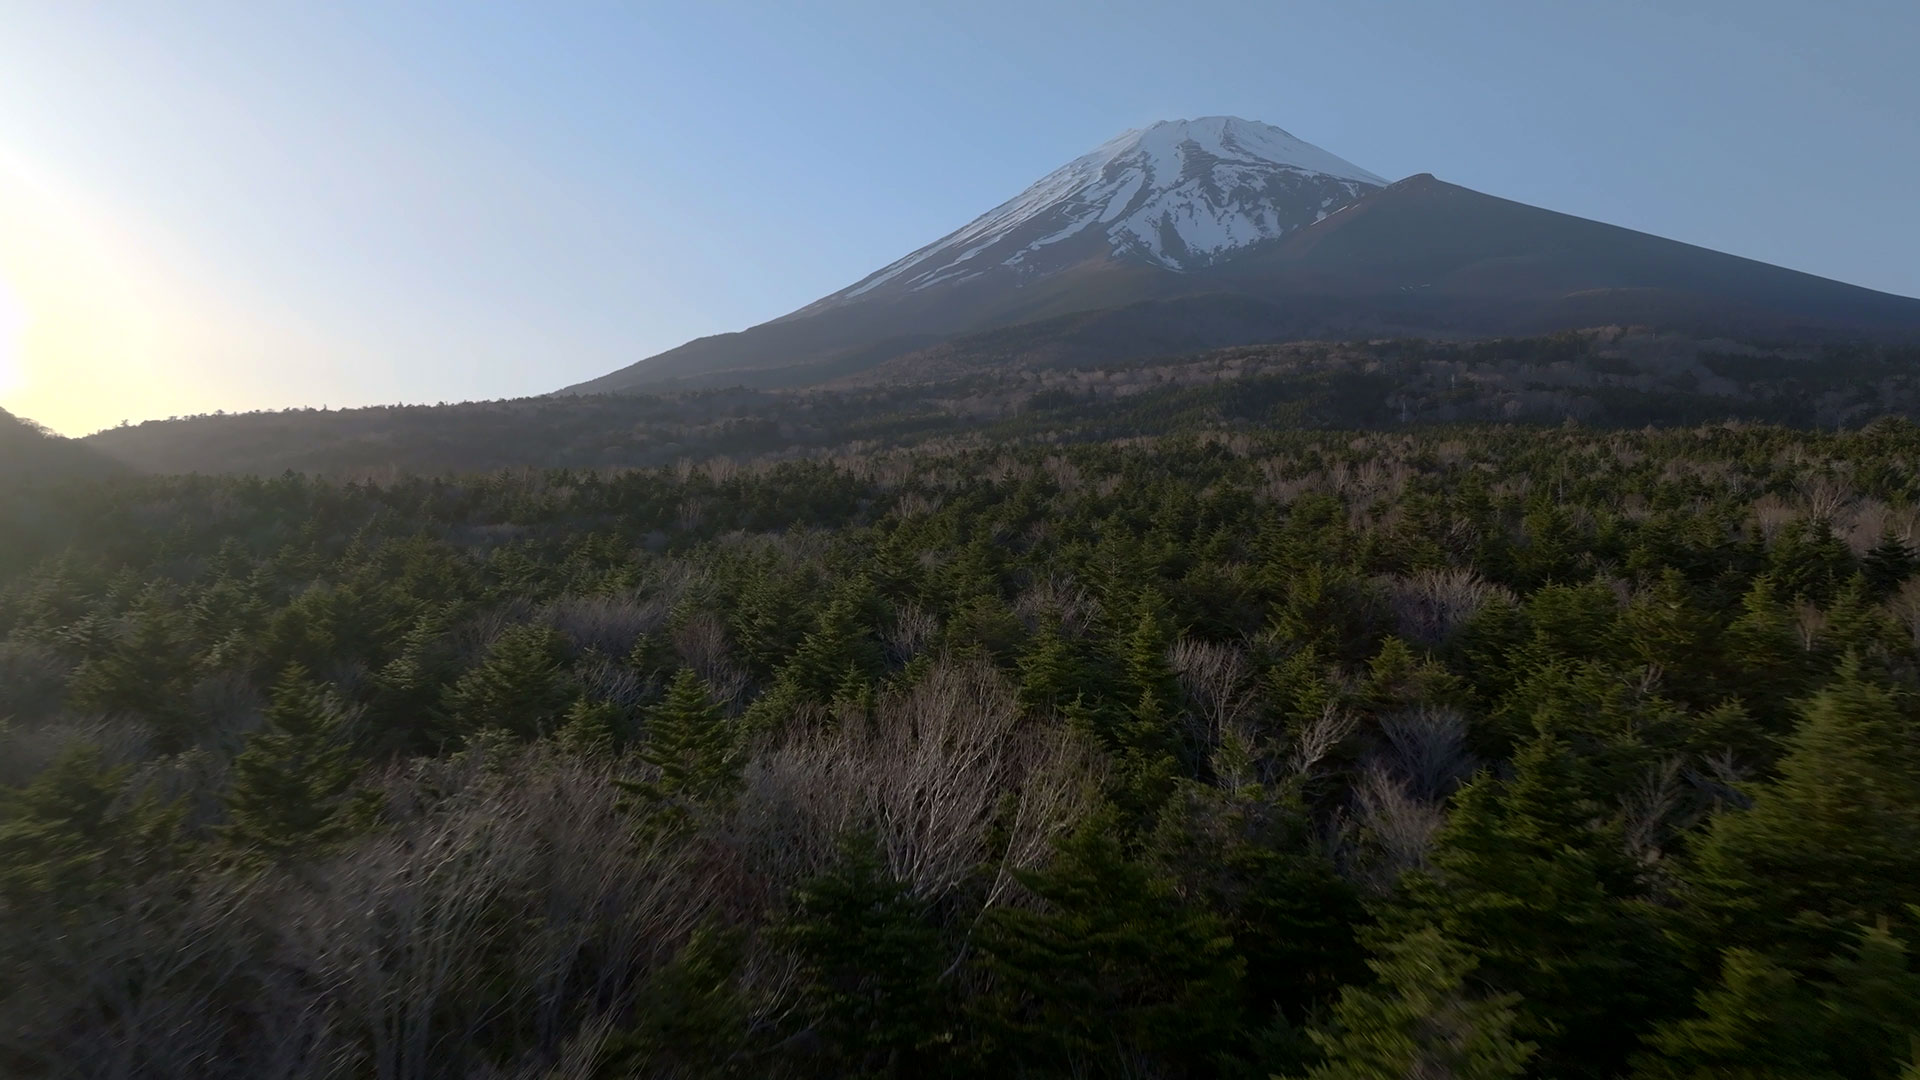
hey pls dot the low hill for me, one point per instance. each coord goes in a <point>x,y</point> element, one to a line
<point>29,452</point>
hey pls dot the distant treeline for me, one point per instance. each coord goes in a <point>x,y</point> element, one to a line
<point>1609,378</point>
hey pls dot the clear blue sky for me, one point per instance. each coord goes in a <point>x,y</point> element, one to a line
<point>240,205</point>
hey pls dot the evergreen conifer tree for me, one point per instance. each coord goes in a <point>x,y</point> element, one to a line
<point>1113,964</point>
<point>1419,1020</point>
<point>519,688</point>
<point>1250,857</point>
<point>1833,842</point>
<point>1545,898</point>
<point>145,673</point>
<point>689,740</point>
<point>1889,563</point>
<point>692,1019</point>
<point>842,640</point>
<point>294,789</point>
<point>67,843</point>
<point>1050,671</point>
<point>1768,666</point>
<point>590,727</point>
<point>870,965</point>
<point>1859,1018</point>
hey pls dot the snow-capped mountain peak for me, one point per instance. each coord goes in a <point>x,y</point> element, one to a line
<point>1180,195</point>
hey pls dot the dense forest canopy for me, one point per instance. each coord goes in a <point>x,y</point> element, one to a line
<point>1217,751</point>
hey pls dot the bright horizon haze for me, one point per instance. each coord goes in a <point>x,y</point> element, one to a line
<point>210,206</point>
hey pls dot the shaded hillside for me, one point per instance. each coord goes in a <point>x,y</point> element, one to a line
<point>1430,259</point>
<point>29,452</point>
<point>1065,390</point>
<point>1425,251</point>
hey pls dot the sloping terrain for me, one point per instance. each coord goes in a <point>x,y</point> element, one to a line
<point>1131,220</point>
<point>29,452</point>
<point>1165,241</point>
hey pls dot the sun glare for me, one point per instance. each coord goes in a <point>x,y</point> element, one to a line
<point>86,337</point>
<point>12,327</point>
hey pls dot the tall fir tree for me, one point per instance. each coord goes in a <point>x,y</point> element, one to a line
<point>842,640</point>
<point>691,1019</point>
<point>591,727</point>
<point>689,740</point>
<point>1833,842</point>
<point>1420,1018</point>
<point>1051,674</point>
<point>520,687</point>
<point>146,672</point>
<point>295,788</point>
<point>1889,563</point>
<point>69,840</point>
<point>870,967</point>
<point>1114,966</point>
<point>1858,1018</point>
<point>1529,878</point>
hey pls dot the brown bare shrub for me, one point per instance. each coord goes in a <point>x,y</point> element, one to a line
<point>911,632</point>
<point>609,624</point>
<point>928,776</point>
<point>1395,830</point>
<point>508,900</point>
<point>1425,749</point>
<point>1217,681</point>
<point>1428,605</point>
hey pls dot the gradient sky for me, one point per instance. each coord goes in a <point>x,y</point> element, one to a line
<point>264,204</point>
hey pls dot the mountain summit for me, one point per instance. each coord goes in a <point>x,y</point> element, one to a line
<point>1180,195</point>
<point>1194,234</point>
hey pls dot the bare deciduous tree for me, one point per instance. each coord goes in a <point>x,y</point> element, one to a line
<point>1428,605</point>
<point>1425,748</point>
<point>912,630</point>
<point>1318,738</point>
<point>610,624</point>
<point>940,763</point>
<point>1396,830</point>
<point>1217,681</point>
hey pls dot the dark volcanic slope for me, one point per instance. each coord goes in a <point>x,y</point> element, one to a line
<point>1445,258</point>
<point>1429,259</point>
<point>1419,258</point>
<point>802,350</point>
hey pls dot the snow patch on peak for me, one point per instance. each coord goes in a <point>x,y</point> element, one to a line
<point>1227,138</point>
<point>1180,194</point>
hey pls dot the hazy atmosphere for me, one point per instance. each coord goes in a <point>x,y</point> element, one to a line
<point>213,206</point>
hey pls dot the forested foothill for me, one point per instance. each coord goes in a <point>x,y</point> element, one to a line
<point>1274,724</point>
<point>1018,386</point>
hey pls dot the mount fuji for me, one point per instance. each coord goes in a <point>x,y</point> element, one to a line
<point>1194,234</point>
<point>1180,195</point>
